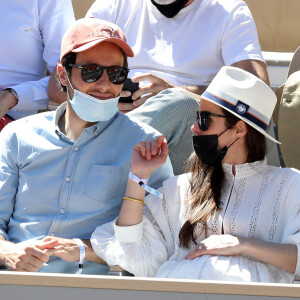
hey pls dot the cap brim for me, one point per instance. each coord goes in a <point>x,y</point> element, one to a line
<point>124,46</point>
<point>199,97</point>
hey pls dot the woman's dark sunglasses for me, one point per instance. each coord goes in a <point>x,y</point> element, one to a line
<point>203,119</point>
<point>91,73</point>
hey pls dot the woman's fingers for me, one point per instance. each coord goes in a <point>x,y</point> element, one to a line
<point>153,148</point>
<point>199,250</point>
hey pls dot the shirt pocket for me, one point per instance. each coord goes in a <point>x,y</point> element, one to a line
<point>103,182</point>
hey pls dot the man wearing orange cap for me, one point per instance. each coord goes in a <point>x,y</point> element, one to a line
<point>64,173</point>
<point>179,43</point>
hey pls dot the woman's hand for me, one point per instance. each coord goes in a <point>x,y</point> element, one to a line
<point>148,156</point>
<point>224,244</point>
<point>283,256</point>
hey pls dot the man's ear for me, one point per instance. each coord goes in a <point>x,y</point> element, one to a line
<point>241,128</point>
<point>61,71</point>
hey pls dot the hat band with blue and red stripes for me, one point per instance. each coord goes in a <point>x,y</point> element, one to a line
<point>239,108</point>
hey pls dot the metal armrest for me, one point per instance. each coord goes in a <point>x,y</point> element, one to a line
<point>118,271</point>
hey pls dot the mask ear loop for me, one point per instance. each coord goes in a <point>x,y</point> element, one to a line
<point>70,86</point>
<point>233,141</point>
<point>223,131</point>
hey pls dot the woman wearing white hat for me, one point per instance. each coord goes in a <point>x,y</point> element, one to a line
<point>233,217</point>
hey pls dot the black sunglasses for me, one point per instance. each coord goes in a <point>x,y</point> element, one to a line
<point>203,119</point>
<point>91,73</point>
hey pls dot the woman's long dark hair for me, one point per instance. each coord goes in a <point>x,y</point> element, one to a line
<point>206,182</point>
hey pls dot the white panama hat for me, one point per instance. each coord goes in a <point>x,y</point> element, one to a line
<point>242,94</point>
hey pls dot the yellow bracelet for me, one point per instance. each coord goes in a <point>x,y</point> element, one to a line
<point>135,200</point>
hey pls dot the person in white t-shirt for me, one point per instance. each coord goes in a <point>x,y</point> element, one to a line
<point>180,43</point>
<point>30,38</point>
<point>183,42</point>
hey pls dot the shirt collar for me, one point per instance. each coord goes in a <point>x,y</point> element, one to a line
<point>246,169</point>
<point>94,130</point>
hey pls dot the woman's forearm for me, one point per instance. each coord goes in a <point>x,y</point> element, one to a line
<point>283,256</point>
<point>146,157</point>
<point>132,212</point>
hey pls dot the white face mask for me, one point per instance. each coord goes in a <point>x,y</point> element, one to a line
<point>91,109</point>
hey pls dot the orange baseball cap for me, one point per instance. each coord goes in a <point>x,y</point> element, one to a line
<point>89,32</point>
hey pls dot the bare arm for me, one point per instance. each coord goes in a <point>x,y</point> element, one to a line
<point>146,157</point>
<point>197,89</point>
<point>283,256</point>
<point>155,86</point>
<point>256,67</point>
<point>68,250</point>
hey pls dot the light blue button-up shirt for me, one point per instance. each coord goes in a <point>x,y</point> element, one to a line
<point>51,185</point>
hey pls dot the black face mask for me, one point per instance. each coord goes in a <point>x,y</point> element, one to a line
<point>206,148</point>
<point>172,9</point>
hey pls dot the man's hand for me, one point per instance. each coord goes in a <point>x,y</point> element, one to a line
<point>7,101</point>
<point>223,244</point>
<point>66,249</point>
<point>26,256</point>
<point>155,86</point>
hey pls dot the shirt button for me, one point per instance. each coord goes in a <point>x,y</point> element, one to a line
<point>62,211</point>
<point>52,233</point>
<point>76,148</point>
<point>68,179</point>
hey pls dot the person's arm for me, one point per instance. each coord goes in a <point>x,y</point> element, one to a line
<point>21,256</point>
<point>25,256</point>
<point>256,67</point>
<point>68,250</point>
<point>283,256</point>
<point>155,86</point>
<point>129,241</point>
<point>240,44</point>
<point>146,157</point>
<point>54,19</point>
<point>284,253</point>
<point>7,101</point>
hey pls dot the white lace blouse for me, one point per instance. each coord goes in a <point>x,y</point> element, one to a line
<point>260,202</point>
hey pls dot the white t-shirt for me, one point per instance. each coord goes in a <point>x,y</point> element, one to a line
<point>30,37</point>
<point>190,48</point>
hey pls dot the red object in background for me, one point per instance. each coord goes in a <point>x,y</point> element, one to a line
<point>4,121</point>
